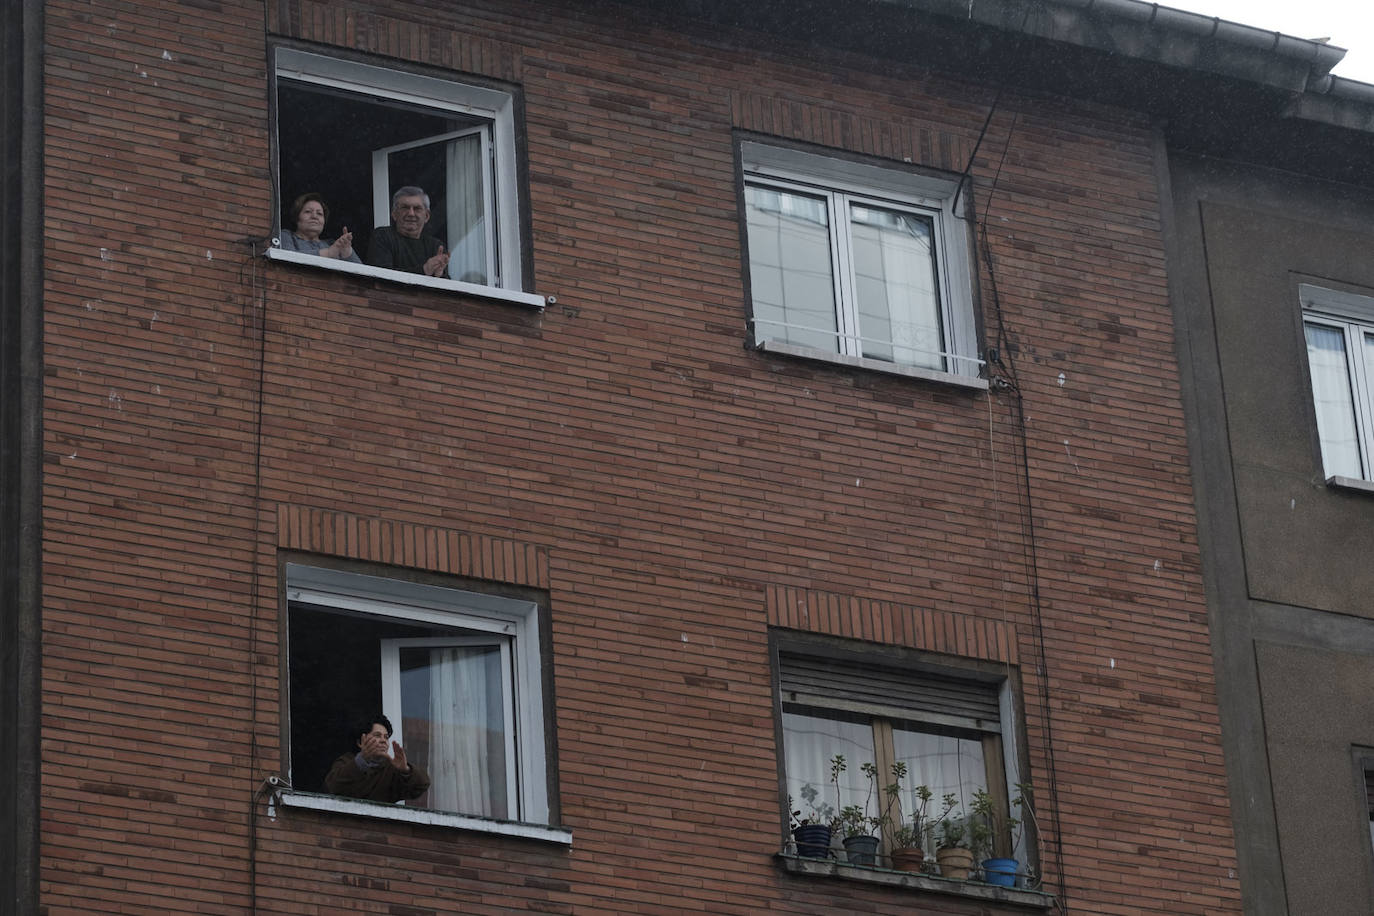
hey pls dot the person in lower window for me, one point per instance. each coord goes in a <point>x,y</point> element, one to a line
<point>309,213</point>
<point>378,769</point>
<point>403,245</point>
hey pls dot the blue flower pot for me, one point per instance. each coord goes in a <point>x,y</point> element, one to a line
<point>813,840</point>
<point>1001,872</point>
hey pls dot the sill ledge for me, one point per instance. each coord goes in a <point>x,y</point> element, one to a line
<point>1351,483</point>
<point>875,365</point>
<point>824,868</point>
<point>291,798</point>
<point>477,290</point>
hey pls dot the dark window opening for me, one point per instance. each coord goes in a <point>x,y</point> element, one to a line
<point>327,138</point>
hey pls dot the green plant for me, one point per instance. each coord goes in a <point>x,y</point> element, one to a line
<point>855,820</point>
<point>915,833</point>
<point>837,766</point>
<point>953,830</point>
<point>995,825</point>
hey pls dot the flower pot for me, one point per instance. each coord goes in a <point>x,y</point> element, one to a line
<point>861,850</point>
<point>813,840</point>
<point>908,859</point>
<point>955,862</point>
<point>1001,872</point>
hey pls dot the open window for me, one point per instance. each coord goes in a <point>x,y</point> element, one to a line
<point>355,133</point>
<point>457,672</point>
<point>858,263</point>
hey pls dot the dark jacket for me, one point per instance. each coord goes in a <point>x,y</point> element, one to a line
<point>382,783</point>
<point>391,249</point>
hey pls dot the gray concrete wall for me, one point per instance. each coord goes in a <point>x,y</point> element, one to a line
<point>1286,558</point>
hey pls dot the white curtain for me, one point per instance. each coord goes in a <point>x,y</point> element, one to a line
<point>460,709</point>
<point>467,223</point>
<point>949,765</point>
<point>810,743</point>
<point>1334,402</point>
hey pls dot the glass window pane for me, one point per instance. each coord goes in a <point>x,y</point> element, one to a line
<point>1334,402</point>
<point>452,709</point>
<point>895,286</point>
<point>791,275</point>
<point>948,764</point>
<point>810,742</point>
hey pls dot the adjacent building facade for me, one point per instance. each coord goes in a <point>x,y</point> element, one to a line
<point>1275,301</point>
<point>799,382</point>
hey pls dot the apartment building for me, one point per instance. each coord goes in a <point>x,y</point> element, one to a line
<point>782,381</point>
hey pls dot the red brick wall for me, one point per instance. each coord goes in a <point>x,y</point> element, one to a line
<point>664,479</point>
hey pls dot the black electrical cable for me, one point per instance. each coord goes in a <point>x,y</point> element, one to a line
<point>257,314</point>
<point>1005,360</point>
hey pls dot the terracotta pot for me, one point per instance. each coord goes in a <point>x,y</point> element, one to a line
<point>908,859</point>
<point>955,862</point>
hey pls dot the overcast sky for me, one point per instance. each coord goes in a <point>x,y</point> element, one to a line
<point>1348,23</point>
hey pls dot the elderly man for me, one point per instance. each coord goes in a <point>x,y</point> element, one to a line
<point>371,772</point>
<point>403,246</point>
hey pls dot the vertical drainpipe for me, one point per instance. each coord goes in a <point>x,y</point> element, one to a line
<point>21,440</point>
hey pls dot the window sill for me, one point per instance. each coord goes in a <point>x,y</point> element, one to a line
<point>492,293</point>
<point>971,890</point>
<point>875,365</point>
<point>291,798</point>
<point>1351,483</point>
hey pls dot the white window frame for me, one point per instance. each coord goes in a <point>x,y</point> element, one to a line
<point>841,182</point>
<point>512,620</point>
<point>495,107</point>
<point>1353,316</point>
<point>391,694</point>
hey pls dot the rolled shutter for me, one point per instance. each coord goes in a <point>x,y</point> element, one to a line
<point>911,694</point>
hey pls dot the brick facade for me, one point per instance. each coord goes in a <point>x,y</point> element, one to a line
<point>674,493</point>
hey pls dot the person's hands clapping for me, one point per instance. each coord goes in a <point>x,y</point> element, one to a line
<point>374,747</point>
<point>436,265</point>
<point>342,247</point>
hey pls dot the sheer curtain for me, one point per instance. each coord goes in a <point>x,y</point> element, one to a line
<point>466,759</point>
<point>1334,402</point>
<point>810,743</point>
<point>467,222</point>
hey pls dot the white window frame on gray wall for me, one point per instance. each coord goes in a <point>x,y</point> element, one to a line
<point>843,193</point>
<point>1339,331</point>
<point>493,110</point>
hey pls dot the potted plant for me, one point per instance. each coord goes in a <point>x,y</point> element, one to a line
<point>909,841</point>
<point>994,827</point>
<point>858,829</point>
<point>812,831</point>
<point>952,851</point>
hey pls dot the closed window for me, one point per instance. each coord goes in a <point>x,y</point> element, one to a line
<point>457,672</point>
<point>950,730</point>
<point>1339,328</point>
<point>356,133</point>
<point>857,262</point>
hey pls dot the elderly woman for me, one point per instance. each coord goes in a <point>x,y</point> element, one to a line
<point>309,214</point>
